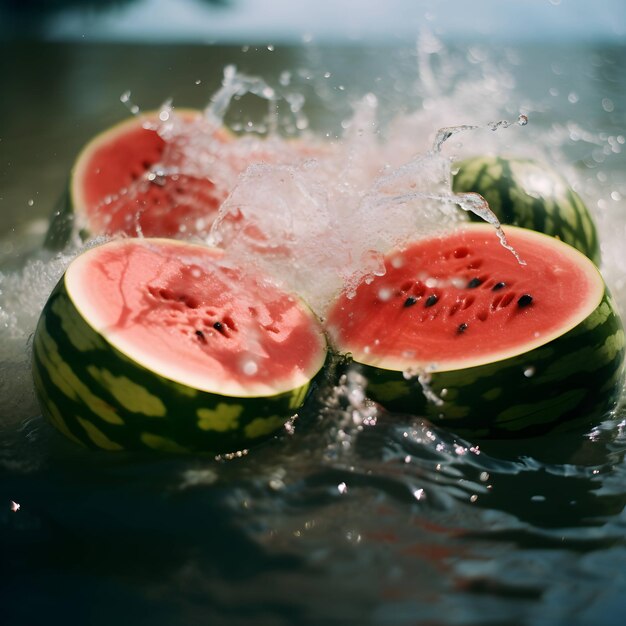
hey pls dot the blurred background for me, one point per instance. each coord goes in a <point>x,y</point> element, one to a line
<point>282,21</point>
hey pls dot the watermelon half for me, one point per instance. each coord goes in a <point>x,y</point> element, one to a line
<point>530,194</point>
<point>126,181</point>
<point>162,344</point>
<point>457,330</point>
<point>135,180</point>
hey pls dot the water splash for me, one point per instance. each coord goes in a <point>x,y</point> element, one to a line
<point>444,134</point>
<point>236,85</point>
<point>424,378</point>
<point>475,203</point>
<point>129,104</point>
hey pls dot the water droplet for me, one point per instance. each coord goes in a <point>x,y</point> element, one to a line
<point>410,373</point>
<point>384,294</point>
<point>276,484</point>
<point>529,372</point>
<point>198,82</point>
<point>31,202</point>
<point>249,367</point>
<point>342,488</point>
<point>522,120</point>
<point>419,494</point>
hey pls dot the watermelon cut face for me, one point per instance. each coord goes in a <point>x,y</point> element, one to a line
<point>141,178</point>
<point>500,348</point>
<point>162,344</point>
<point>530,194</point>
<point>117,186</point>
<point>131,180</point>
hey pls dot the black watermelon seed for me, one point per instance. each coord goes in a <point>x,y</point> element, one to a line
<point>475,282</point>
<point>462,327</point>
<point>524,300</point>
<point>498,286</point>
<point>410,301</point>
<point>200,336</point>
<point>432,299</point>
<point>219,327</point>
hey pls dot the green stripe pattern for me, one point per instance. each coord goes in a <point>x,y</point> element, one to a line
<point>573,381</point>
<point>523,192</point>
<point>98,397</point>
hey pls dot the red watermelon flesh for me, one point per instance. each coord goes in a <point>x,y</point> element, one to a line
<point>126,181</point>
<point>463,300</point>
<point>187,314</point>
<point>137,180</point>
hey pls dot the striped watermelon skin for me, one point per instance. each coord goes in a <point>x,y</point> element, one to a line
<point>523,192</point>
<point>102,399</point>
<point>573,381</point>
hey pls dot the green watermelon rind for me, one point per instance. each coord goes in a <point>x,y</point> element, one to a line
<point>99,397</point>
<point>562,214</point>
<point>572,381</point>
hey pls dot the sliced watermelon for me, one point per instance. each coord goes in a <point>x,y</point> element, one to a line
<point>459,331</point>
<point>526,193</point>
<point>126,180</point>
<point>136,180</point>
<point>155,343</point>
